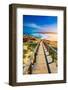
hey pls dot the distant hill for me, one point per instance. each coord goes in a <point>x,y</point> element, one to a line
<point>27,38</point>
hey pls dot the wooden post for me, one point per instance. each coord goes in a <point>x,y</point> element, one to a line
<point>30,69</point>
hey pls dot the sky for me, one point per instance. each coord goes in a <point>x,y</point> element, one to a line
<point>44,27</point>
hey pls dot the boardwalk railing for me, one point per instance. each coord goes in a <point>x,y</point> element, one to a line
<point>28,68</point>
<point>51,51</point>
<point>49,71</point>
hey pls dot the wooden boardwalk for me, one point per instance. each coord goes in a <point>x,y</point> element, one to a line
<point>40,67</point>
<point>43,63</point>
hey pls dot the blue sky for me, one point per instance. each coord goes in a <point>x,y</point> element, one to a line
<point>39,25</point>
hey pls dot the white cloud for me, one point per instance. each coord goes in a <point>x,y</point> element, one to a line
<point>49,28</point>
<point>32,25</point>
<point>43,28</point>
